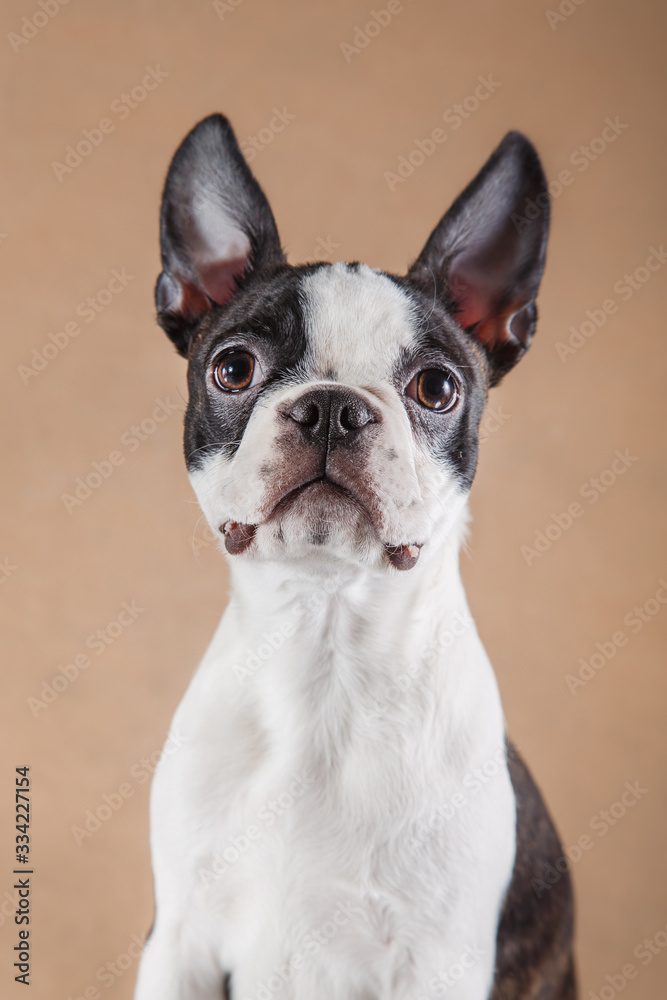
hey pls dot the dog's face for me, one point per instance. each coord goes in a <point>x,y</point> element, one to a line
<point>334,409</point>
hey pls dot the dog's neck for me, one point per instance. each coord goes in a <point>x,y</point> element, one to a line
<point>330,665</point>
<point>329,598</point>
<point>324,659</point>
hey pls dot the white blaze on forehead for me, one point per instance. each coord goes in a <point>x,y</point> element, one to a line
<point>357,322</point>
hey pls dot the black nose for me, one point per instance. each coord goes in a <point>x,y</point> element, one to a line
<point>331,416</point>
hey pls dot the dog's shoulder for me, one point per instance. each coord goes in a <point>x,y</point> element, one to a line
<point>534,946</point>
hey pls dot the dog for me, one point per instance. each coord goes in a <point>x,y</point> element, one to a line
<point>344,818</point>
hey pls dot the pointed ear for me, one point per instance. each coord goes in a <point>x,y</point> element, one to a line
<point>486,257</point>
<point>216,226</point>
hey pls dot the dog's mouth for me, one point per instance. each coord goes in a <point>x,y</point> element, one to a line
<point>238,536</point>
<point>320,491</point>
<point>319,488</point>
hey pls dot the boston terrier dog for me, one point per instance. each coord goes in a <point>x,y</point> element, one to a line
<point>343,818</point>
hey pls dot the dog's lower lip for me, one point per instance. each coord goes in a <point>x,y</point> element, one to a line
<point>237,536</point>
<point>323,480</point>
<point>403,556</point>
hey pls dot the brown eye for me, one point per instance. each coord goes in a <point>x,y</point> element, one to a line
<point>234,371</point>
<point>436,389</point>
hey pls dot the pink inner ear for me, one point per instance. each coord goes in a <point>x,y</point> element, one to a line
<point>471,304</point>
<point>193,303</point>
<point>218,278</point>
<point>473,301</point>
<point>475,291</point>
<point>476,306</point>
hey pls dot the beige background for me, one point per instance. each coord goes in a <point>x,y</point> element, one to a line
<point>138,537</point>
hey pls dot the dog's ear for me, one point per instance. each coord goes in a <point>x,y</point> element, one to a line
<point>215,227</point>
<point>485,257</point>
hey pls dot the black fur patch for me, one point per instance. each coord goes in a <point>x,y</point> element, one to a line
<point>534,959</point>
<point>267,313</point>
<point>450,437</point>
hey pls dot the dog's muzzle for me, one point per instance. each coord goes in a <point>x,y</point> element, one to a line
<point>329,432</point>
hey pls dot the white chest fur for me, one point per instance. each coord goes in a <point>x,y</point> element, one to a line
<point>338,820</point>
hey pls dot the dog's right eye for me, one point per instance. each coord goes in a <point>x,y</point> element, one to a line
<point>436,389</point>
<point>235,371</point>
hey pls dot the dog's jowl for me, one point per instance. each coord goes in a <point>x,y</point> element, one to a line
<point>344,819</point>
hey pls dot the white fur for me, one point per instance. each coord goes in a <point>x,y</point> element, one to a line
<point>358,322</point>
<point>360,701</point>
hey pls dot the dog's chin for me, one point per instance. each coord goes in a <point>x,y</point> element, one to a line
<point>320,520</point>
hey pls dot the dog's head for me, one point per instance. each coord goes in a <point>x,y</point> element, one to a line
<point>334,409</point>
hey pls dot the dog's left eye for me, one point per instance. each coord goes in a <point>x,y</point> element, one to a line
<point>234,371</point>
<point>436,389</point>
